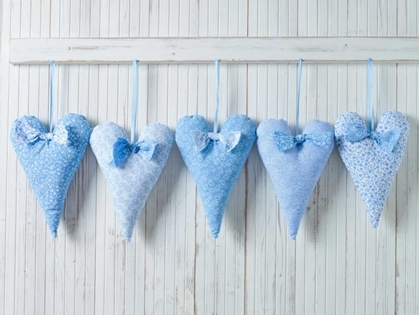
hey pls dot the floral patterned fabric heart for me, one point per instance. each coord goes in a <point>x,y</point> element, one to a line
<point>370,163</point>
<point>294,163</point>
<point>215,160</point>
<point>133,178</point>
<point>50,160</point>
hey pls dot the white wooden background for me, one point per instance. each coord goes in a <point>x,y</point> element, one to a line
<point>337,265</point>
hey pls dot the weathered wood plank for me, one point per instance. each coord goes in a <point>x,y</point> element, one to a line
<point>193,50</point>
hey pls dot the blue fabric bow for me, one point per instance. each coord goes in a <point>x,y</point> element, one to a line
<point>202,139</point>
<point>27,134</point>
<point>285,142</point>
<point>123,149</point>
<point>385,140</point>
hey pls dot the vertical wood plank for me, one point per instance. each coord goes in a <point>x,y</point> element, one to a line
<point>371,233</point>
<point>101,209</point>
<point>322,215</point>
<point>202,284</point>
<point>90,27</point>
<point>391,208</point>
<point>33,29</point>
<point>142,120</point>
<point>341,234</point>
<point>402,205</point>
<point>362,223</point>
<point>332,171</point>
<point>412,186</point>
<point>351,210</point>
<point>102,190</point>
<point>254,269</point>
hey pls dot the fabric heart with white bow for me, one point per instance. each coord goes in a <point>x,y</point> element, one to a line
<point>372,157</point>
<point>215,159</point>
<point>294,163</point>
<point>50,160</point>
<point>131,169</point>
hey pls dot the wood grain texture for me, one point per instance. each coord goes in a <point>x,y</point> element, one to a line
<point>193,50</point>
<point>337,265</point>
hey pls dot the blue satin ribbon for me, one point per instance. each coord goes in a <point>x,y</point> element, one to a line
<point>52,100</point>
<point>216,114</point>
<point>134,100</point>
<point>202,139</point>
<point>371,114</point>
<point>385,140</point>
<point>27,134</point>
<point>123,149</point>
<point>298,96</point>
<point>285,142</point>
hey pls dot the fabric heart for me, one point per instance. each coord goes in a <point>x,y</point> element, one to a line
<point>294,163</point>
<point>131,169</point>
<point>215,160</point>
<point>50,160</point>
<point>372,158</point>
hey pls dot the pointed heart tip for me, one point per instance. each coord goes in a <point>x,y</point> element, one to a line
<point>374,223</point>
<point>53,220</point>
<point>215,225</point>
<point>293,220</point>
<point>127,237</point>
<point>215,234</point>
<point>293,234</point>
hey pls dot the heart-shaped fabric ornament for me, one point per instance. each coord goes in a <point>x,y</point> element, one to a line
<point>214,159</point>
<point>131,169</point>
<point>50,160</point>
<point>294,163</point>
<point>372,158</point>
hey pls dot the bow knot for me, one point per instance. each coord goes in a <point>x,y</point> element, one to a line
<point>386,140</point>
<point>123,149</point>
<point>202,139</point>
<point>47,136</point>
<point>300,138</point>
<point>285,142</point>
<point>27,134</point>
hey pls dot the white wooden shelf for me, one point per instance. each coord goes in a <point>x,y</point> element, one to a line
<point>207,49</point>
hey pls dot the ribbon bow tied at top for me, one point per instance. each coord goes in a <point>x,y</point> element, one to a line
<point>285,142</point>
<point>385,140</point>
<point>123,149</point>
<point>202,139</point>
<point>27,134</point>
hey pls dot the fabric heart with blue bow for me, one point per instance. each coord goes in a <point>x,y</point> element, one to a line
<point>131,170</point>
<point>294,163</point>
<point>372,158</point>
<point>215,160</point>
<point>50,160</point>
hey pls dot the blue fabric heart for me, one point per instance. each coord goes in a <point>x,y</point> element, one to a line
<point>372,159</point>
<point>50,160</point>
<point>141,164</point>
<point>216,167</point>
<point>294,163</point>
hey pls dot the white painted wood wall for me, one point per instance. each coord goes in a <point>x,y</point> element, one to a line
<point>337,265</point>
